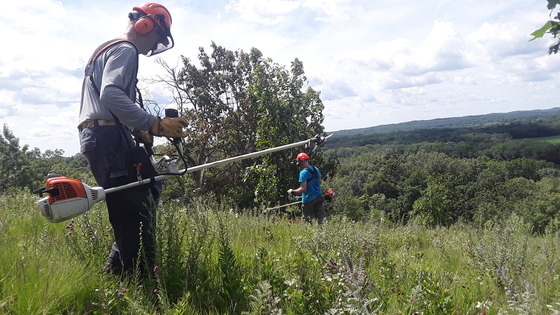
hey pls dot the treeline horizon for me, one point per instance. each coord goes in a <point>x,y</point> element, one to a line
<point>471,173</point>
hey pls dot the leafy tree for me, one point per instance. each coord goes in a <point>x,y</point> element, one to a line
<point>289,114</point>
<point>14,163</point>
<point>237,103</point>
<point>53,161</point>
<point>22,168</point>
<point>437,202</point>
<point>541,205</point>
<point>551,26</point>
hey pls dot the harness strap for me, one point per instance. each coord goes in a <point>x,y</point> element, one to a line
<point>312,171</point>
<point>105,46</point>
<point>99,51</point>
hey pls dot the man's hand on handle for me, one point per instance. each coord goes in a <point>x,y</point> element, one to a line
<point>171,127</point>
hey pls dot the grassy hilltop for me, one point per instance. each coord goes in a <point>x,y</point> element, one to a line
<point>213,260</point>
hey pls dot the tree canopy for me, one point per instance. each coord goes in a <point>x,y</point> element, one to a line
<point>237,103</point>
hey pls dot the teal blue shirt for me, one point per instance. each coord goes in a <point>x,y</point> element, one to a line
<point>313,186</point>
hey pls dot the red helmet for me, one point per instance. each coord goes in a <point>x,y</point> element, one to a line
<point>154,16</point>
<point>302,157</point>
<point>153,10</point>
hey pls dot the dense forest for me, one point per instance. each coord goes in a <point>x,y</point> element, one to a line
<point>482,170</point>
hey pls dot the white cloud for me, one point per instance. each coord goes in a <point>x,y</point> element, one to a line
<point>331,10</point>
<point>267,12</point>
<point>33,16</point>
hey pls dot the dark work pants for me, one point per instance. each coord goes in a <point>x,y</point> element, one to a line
<point>314,210</point>
<point>132,211</point>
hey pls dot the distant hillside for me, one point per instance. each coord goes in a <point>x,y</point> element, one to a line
<point>515,125</point>
<point>454,122</point>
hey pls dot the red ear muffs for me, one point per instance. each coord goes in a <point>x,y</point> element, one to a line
<point>144,25</point>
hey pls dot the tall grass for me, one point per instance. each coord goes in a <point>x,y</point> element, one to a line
<point>212,259</point>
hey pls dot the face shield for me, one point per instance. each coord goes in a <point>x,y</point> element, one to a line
<point>164,44</point>
<point>166,40</point>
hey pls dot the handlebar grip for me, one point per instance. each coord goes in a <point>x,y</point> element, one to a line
<point>172,112</point>
<point>149,149</point>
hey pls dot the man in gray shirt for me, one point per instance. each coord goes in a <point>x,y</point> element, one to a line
<point>109,113</point>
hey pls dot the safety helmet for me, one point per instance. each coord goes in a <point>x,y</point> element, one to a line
<point>302,157</point>
<point>150,17</point>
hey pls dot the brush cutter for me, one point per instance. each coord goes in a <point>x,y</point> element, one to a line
<point>69,197</point>
<point>328,195</point>
<point>283,206</point>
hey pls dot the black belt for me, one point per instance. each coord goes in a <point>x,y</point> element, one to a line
<point>96,123</point>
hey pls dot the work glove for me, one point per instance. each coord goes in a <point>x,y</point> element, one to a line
<point>290,192</point>
<point>171,127</point>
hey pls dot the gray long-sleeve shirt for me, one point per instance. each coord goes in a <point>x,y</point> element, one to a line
<point>114,73</point>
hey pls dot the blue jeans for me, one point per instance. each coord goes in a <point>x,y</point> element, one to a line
<point>132,212</point>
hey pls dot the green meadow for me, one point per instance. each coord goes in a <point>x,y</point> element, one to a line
<point>215,259</point>
<point>553,140</point>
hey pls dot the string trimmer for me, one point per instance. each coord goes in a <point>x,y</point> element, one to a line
<point>69,197</point>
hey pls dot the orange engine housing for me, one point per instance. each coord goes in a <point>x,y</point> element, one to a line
<point>68,188</point>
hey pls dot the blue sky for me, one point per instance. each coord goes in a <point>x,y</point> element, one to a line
<point>375,62</point>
